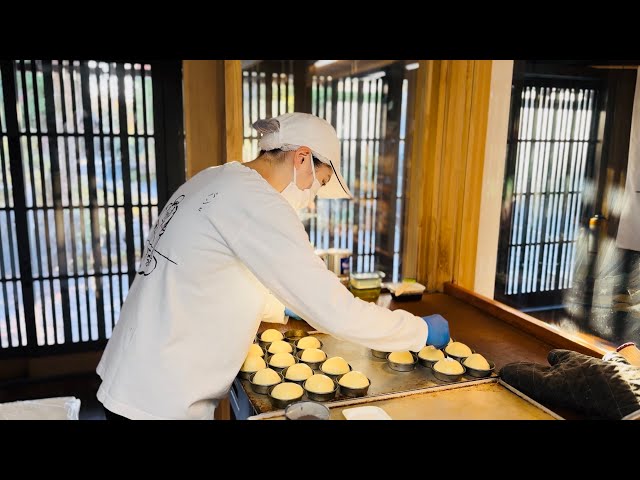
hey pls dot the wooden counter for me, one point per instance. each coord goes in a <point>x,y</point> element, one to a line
<point>501,333</point>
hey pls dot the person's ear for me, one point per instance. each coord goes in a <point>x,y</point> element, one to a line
<point>300,155</point>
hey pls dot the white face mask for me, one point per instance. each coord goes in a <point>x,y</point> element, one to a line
<point>297,197</point>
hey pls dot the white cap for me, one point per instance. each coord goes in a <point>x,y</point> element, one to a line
<point>294,130</point>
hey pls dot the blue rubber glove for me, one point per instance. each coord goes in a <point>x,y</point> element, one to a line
<point>290,314</point>
<point>438,335</point>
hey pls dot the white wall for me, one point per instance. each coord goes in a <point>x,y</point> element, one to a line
<point>493,181</point>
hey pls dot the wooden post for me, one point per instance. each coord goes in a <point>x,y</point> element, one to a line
<point>233,109</point>
<point>213,113</point>
<point>446,185</point>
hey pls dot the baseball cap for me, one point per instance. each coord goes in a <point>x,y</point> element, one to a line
<point>293,130</point>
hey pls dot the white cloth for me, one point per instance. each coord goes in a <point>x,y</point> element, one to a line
<point>273,311</point>
<point>629,228</point>
<point>55,408</point>
<point>225,239</point>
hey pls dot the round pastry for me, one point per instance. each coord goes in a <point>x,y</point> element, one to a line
<point>308,342</point>
<point>319,383</point>
<point>280,346</point>
<point>313,355</point>
<point>431,353</point>
<point>335,366</point>
<point>405,358</point>
<point>281,360</point>
<point>255,349</point>
<point>253,363</point>
<point>449,366</point>
<point>298,372</point>
<point>477,362</point>
<point>271,335</point>
<point>287,391</point>
<point>458,349</point>
<point>266,377</point>
<point>354,379</point>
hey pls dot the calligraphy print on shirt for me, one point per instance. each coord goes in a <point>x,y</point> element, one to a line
<point>152,255</point>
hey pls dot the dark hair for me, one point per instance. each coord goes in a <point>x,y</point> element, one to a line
<point>278,153</point>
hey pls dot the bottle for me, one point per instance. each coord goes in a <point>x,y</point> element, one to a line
<point>630,352</point>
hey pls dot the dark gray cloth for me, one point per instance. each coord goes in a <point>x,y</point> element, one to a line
<point>607,388</point>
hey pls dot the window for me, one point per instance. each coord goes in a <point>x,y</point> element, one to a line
<point>553,147</point>
<point>369,111</point>
<point>80,185</point>
<point>567,155</point>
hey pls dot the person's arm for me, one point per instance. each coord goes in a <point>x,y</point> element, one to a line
<point>267,236</point>
<point>274,310</point>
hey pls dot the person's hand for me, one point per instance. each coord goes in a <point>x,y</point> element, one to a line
<point>290,314</point>
<point>438,335</point>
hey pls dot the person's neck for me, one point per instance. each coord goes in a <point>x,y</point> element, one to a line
<point>277,176</point>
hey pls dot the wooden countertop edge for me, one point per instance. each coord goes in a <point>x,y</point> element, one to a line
<point>522,321</point>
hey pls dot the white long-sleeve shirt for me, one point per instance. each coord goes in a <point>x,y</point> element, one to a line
<point>224,241</point>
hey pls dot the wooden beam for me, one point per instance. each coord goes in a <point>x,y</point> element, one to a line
<point>212,112</point>
<point>233,109</point>
<point>479,90</point>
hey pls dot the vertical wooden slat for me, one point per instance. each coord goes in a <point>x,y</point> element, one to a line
<point>7,276</point>
<point>15,160</point>
<point>126,171</point>
<point>57,198</point>
<point>106,276</point>
<point>134,155</point>
<point>204,113</point>
<point>45,203</point>
<point>79,179</point>
<point>94,217</point>
<point>35,200</point>
<point>145,138</point>
<point>233,108</point>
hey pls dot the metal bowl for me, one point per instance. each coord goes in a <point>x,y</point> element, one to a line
<point>379,354</point>
<point>448,378</point>
<point>313,365</point>
<point>299,382</point>
<point>263,389</point>
<point>306,411</point>
<point>460,359</point>
<point>245,375</point>
<point>301,349</point>
<point>292,336</point>
<point>277,369</point>
<point>282,403</point>
<point>427,363</point>
<point>331,375</point>
<point>474,372</point>
<point>322,397</point>
<point>353,392</point>
<point>403,367</point>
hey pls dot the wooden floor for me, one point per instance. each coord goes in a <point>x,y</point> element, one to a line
<point>83,387</point>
